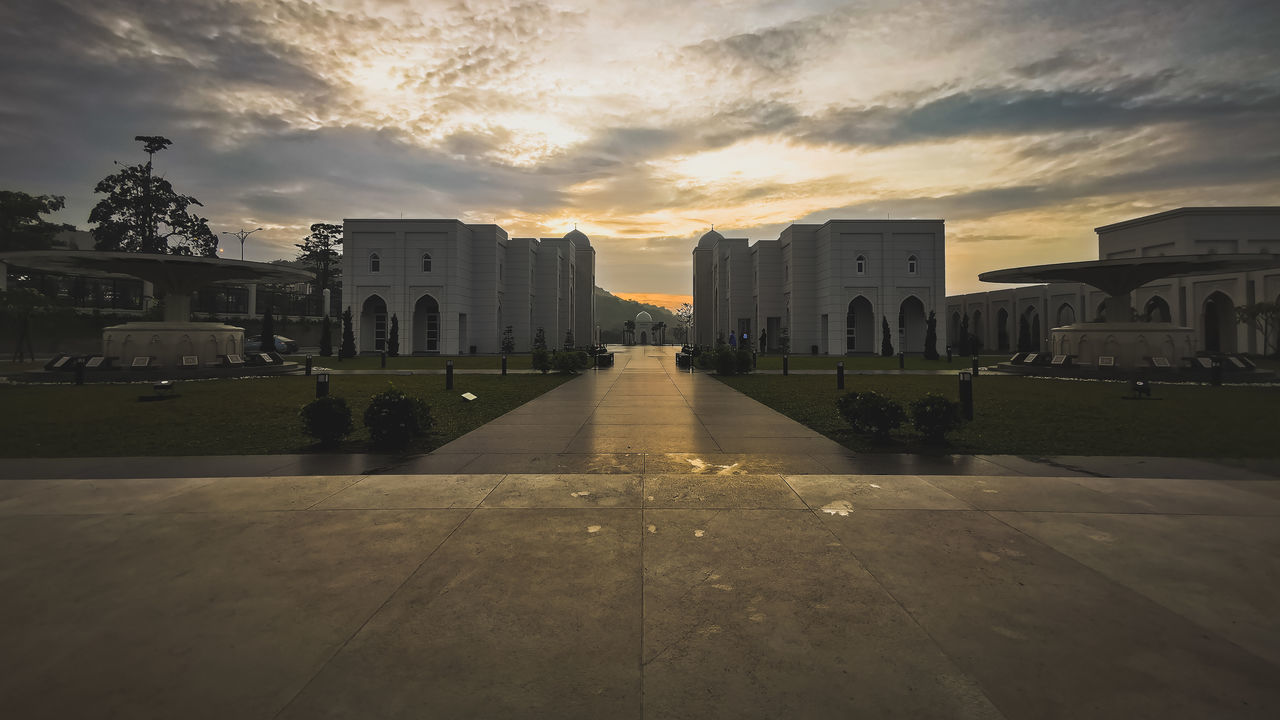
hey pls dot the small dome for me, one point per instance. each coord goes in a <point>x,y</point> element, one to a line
<point>709,238</point>
<point>643,317</point>
<point>578,237</point>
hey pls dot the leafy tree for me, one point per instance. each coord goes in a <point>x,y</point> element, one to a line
<point>319,252</point>
<point>684,316</point>
<point>141,213</point>
<point>20,225</point>
<point>268,331</point>
<point>886,344</point>
<point>508,340</point>
<point>326,337</point>
<point>540,340</point>
<point>1263,317</point>
<point>931,338</point>
<point>393,337</point>
<point>629,332</point>
<point>348,348</point>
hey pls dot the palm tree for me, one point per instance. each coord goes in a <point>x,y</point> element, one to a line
<point>629,332</point>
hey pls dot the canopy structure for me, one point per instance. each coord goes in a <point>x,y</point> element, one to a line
<point>174,276</point>
<point>1118,278</point>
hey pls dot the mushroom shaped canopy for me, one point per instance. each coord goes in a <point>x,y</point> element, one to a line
<point>643,317</point>
<point>1122,276</point>
<point>169,273</point>
<point>578,237</point>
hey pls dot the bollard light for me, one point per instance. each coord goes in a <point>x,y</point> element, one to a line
<point>785,364</point>
<point>948,354</point>
<point>840,375</point>
<point>902,360</point>
<point>322,385</point>
<point>448,375</point>
<point>975,366</point>
<point>966,395</point>
<point>504,364</point>
<point>384,359</point>
<point>308,364</point>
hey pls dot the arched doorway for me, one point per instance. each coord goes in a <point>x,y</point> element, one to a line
<point>1066,314</point>
<point>644,338</point>
<point>426,325</point>
<point>373,324</point>
<point>911,325</point>
<point>1002,330</point>
<point>953,330</point>
<point>1219,323</point>
<point>1030,325</point>
<point>859,326</point>
<point>1156,310</point>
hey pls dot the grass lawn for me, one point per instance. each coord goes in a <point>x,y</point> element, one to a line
<point>872,362</point>
<point>240,417</point>
<point>417,362</point>
<point>1030,416</point>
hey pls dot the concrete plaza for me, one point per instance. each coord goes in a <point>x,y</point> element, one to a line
<point>639,543</point>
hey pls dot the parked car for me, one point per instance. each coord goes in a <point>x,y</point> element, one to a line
<point>284,345</point>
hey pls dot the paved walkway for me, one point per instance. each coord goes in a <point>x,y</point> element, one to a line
<point>639,544</point>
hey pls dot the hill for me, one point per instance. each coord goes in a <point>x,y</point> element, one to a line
<point>612,311</point>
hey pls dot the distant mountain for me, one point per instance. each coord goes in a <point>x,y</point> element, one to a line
<point>612,311</point>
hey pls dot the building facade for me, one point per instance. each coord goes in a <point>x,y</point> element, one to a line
<point>454,288</point>
<point>1204,303</point>
<point>827,288</point>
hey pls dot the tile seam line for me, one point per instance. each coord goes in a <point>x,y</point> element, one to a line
<point>408,576</point>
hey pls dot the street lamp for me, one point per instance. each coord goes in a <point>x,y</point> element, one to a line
<point>242,235</point>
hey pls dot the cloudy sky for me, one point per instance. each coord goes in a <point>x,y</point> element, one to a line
<point>1023,123</point>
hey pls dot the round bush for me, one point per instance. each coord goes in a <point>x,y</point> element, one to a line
<point>871,412</point>
<point>569,361</point>
<point>394,418</point>
<point>726,360</point>
<point>327,419</point>
<point>934,416</point>
<point>743,361</point>
<point>541,360</point>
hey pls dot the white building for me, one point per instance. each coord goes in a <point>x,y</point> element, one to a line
<point>454,287</point>
<point>1204,303</point>
<point>828,286</point>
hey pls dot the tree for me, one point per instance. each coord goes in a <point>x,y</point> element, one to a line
<point>20,225</point>
<point>1263,317</point>
<point>684,318</point>
<point>784,342</point>
<point>886,344</point>
<point>141,213</point>
<point>348,348</point>
<point>508,340</point>
<point>268,336</point>
<point>540,339</point>
<point>962,344</point>
<point>629,332</point>
<point>931,338</point>
<point>1024,335</point>
<point>393,337</point>
<point>326,337</point>
<point>319,252</point>
<point>568,340</point>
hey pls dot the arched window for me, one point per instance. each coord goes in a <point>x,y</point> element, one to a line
<point>911,265</point>
<point>861,264</point>
<point>426,262</point>
<point>375,263</point>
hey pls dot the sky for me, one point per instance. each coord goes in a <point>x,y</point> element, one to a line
<point>1023,124</point>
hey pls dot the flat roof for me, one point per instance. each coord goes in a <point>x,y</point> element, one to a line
<point>1220,210</point>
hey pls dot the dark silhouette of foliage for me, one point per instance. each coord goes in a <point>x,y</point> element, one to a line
<point>142,213</point>
<point>348,348</point>
<point>327,419</point>
<point>508,340</point>
<point>935,416</point>
<point>931,338</point>
<point>20,225</point>
<point>268,335</point>
<point>394,418</point>
<point>886,343</point>
<point>962,342</point>
<point>393,337</point>
<point>319,252</point>
<point>540,340</point>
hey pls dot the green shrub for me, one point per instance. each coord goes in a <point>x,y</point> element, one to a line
<point>871,413</point>
<point>743,361</point>
<point>569,361</point>
<point>394,418</point>
<point>327,419</point>
<point>726,361</point>
<point>934,416</point>
<point>540,360</point>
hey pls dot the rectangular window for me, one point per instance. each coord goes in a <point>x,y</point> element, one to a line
<point>380,331</point>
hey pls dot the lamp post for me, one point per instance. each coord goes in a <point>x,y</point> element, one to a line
<point>242,235</point>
